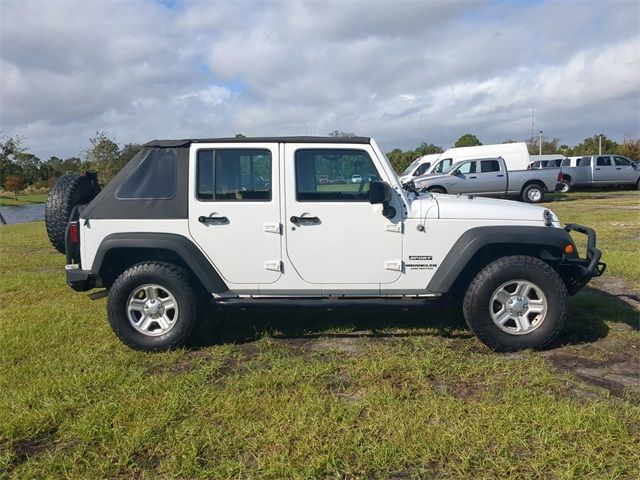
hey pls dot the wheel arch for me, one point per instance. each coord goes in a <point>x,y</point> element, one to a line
<point>528,183</point>
<point>479,246</point>
<point>119,251</point>
<point>432,187</point>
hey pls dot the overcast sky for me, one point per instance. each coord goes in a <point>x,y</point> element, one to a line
<point>402,72</point>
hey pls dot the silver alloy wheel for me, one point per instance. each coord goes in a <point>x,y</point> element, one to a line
<point>152,310</point>
<point>518,307</point>
<point>534,194</point>
<point>564,188</point>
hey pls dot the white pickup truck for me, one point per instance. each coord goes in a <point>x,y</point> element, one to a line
<point>490,177</point>
<point>599,170</point>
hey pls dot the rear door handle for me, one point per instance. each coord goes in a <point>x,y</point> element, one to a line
<point>618,168</point>
<point>473,177</point>
<point>500,175</point>
<point>213,220</point>
<point>303,220</point>
<point>597,169</point>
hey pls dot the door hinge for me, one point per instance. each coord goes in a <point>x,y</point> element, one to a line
<point>274,265</point>
<point>395,265</point>
<point>393,227</point>
<point>272,227</point>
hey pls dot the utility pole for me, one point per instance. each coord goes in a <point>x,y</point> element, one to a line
<point>599,144</point>
<point>540,142</point>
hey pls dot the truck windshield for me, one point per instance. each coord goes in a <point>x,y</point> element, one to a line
<point>410,168</point>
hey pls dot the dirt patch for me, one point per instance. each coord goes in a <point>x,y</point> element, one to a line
<point>611,363</point>
<point>618,288</point>
<point>24,450</point>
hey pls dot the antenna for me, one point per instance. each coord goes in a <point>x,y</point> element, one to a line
<point>533,121</point>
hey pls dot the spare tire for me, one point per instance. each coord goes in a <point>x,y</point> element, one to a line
<point>66,193</point>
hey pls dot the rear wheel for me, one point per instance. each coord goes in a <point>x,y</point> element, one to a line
<point>533,193</point>
<point>516,302</point>
<point>152,306</point>
<point>565,187</point>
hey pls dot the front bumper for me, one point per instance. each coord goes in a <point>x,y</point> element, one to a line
<point>578,270</point>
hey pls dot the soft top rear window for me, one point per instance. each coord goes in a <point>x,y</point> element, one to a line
<point>153,179</point>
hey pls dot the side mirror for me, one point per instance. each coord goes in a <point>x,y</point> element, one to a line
<point>380,192</point>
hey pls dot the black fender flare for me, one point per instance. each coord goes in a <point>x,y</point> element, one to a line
<point>474,239</point>
<point>181,246</point>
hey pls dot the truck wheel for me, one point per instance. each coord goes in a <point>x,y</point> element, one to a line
<point>436,190</point>
<point>152,306</point>
<point>516,302</point>
<point>66,193</point>
<point>533,193</point>
<point>565,187</point>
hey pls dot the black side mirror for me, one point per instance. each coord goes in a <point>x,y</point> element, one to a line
<point>380,192</point>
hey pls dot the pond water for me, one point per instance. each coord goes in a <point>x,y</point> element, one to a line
<point>22,213</point>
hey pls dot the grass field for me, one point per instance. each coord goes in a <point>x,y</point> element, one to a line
<point>10,200</point>
<point>291,392</point>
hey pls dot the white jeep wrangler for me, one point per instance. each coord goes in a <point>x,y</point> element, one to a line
<point>187,221</point>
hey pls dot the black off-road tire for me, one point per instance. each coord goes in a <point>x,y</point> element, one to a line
<point>436,190</point>
<point>476,306</point>
<point>68,192</point>
<point>188,296</point>
<point>529,197</point>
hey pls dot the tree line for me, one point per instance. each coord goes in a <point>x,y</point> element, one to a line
<point>20,169</point>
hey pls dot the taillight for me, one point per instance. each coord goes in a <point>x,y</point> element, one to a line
<point>560,176</point>
<point>74,234</point>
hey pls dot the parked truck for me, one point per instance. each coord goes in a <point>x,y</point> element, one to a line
<point>599,170</point>
<point>515,156</point>
<point>490,177</point>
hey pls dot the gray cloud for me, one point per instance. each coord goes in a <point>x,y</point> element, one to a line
<point>403,72</point>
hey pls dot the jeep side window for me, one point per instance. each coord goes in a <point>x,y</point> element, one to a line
<point>603,161</point>
<point>489,166</point>
<point>584,162</point>
<point>355,166</point>
<point>234,174</point>
<point>153,179</point>
<point>566,162</point>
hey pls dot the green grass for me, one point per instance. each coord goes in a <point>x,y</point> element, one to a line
<point>615,216</point>
<point>10,200</point>
<point>313,394</point>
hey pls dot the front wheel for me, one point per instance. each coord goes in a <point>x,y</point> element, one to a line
<point>152,306</point>
<point>436,190</point>
<point>516,302</point>
<point>533,193</point>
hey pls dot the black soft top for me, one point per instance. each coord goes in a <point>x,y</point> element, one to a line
<point>185,142</point>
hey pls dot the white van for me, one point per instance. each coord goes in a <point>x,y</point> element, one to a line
<point>418,167</point>
<point>515,155</point>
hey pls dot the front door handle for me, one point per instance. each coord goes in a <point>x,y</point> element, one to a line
<point>213,220</point>
<point>473,177</point>
<point>303,220</point>
<point>618,168</point>
<point>499,175</point>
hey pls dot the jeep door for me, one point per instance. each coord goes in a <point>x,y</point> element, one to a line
<point>234,213</point>
<point>333,235</point>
